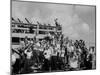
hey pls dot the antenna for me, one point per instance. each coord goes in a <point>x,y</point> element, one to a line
<point>27,20</point>
<point>19,20</point>
<point>13,19</point>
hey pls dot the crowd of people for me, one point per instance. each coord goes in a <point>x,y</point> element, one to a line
<point>52,53</point>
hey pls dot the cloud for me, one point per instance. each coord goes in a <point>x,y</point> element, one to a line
<point>76,20</point>
<point>85,27</point>
<point>71,32</point>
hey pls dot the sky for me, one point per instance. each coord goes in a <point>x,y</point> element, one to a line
<point>78,21</point>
